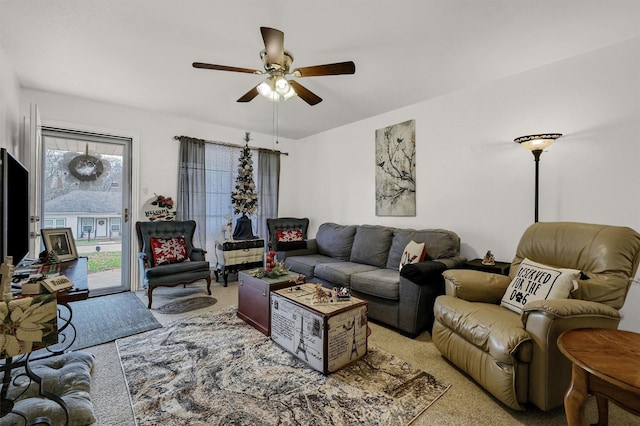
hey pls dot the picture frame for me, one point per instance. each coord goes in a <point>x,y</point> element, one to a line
<point>60,241</point>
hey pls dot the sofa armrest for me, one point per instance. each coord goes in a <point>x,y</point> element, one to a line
<point>198,254</point>
<point>422,273</point>
<point>475,286</point>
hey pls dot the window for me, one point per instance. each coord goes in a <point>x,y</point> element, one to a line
<point>54,223</point>
<point>115,224</point>
<point>221,170</point>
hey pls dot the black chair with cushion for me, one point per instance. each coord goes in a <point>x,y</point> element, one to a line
<point>167,257</point>
<point>287,233</point>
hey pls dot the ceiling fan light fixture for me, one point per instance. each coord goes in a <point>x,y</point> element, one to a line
<point>276,89</point>
<point>282,85</point>
<point>267,89</point>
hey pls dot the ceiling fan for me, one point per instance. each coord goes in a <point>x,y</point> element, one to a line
<point>277,62</point>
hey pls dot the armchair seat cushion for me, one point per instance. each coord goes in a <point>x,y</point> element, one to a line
<point>383,283</point>
<point>177,268</point>
<point>492,328</point>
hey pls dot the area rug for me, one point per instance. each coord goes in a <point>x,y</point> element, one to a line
<point>185,305</point>
<point>104,319</point>
<point>214,369</point>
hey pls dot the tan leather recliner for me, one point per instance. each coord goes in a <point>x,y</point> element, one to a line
<point>515,357</point>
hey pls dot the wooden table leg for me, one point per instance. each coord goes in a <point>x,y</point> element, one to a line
<point>603,411</point>
<point>576,396</point>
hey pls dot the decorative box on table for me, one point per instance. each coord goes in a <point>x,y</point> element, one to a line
<point>233,256</point>
<point>254,300</point>
<point>327,334</point>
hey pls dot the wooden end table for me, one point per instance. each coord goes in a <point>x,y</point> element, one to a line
<point>501,268</point>
<point>605,363</point>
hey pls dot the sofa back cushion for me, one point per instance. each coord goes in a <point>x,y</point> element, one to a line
<point>335,240</point>
<point>371,245</point>
<point>440,243</point>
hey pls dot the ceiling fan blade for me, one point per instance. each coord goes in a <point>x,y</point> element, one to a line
<point>328,69</point>
<point>225,68</point>
<point>249,95</point>
<point>274,45</point>
<point>307,95</point>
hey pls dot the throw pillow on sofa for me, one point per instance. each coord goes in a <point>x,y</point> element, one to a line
<point>413,253</point>
<point>168,250</point>
<point>535,281</point>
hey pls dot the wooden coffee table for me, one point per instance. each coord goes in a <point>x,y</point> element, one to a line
<point>606,364</point>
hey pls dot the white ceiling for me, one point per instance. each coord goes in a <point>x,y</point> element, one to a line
<point>139,52</point>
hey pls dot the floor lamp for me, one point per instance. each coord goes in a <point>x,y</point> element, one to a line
<point>536,143</point>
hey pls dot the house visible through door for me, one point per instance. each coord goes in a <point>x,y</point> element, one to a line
<point>86,187</point>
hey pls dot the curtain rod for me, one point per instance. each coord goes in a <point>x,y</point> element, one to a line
<point>233,145</point>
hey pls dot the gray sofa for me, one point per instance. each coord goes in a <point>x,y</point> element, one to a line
<point>366,259</point>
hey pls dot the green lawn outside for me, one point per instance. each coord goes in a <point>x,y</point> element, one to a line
<point>104,261</point>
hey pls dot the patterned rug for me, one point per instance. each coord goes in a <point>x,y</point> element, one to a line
<point>214,369</point>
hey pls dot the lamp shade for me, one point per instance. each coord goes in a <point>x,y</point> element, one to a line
<point>276,88</point>
<point>537,142</point>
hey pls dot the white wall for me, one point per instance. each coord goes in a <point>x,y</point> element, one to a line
<point>473,179</point>
<point>9,105</point>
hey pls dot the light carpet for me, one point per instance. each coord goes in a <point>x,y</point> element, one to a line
<point>215,369</point>
<point>106,318</point>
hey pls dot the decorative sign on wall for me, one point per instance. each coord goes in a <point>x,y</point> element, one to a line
<point>159,208</point>
<point>396,170</point>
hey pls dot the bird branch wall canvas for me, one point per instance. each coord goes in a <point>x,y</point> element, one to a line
<point>396,170</point>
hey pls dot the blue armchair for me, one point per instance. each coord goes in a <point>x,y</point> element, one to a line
<point>189,270</point>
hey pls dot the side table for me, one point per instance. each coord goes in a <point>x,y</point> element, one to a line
<point>254,298</point>
<point>605,363</point>
<point>501,268</point>
<point>233,256</point>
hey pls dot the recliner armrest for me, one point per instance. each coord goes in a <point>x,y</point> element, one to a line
<point>568,309</point>
<point>422,273</point>
<point>475,286</point>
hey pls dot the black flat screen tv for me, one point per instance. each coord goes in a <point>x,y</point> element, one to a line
<point>14,199</point>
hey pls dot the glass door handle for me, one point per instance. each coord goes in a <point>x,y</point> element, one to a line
<point>126,214</point>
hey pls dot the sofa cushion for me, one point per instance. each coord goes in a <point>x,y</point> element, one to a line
<point>383,283</point>
<point>339,273</point>
<point>335,240</point>
<point>535,281</point>
<point>371,245</point>
<point>440,244</point>
<point>306,264</point>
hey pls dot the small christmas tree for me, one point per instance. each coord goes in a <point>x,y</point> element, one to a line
<point>244,198</point>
